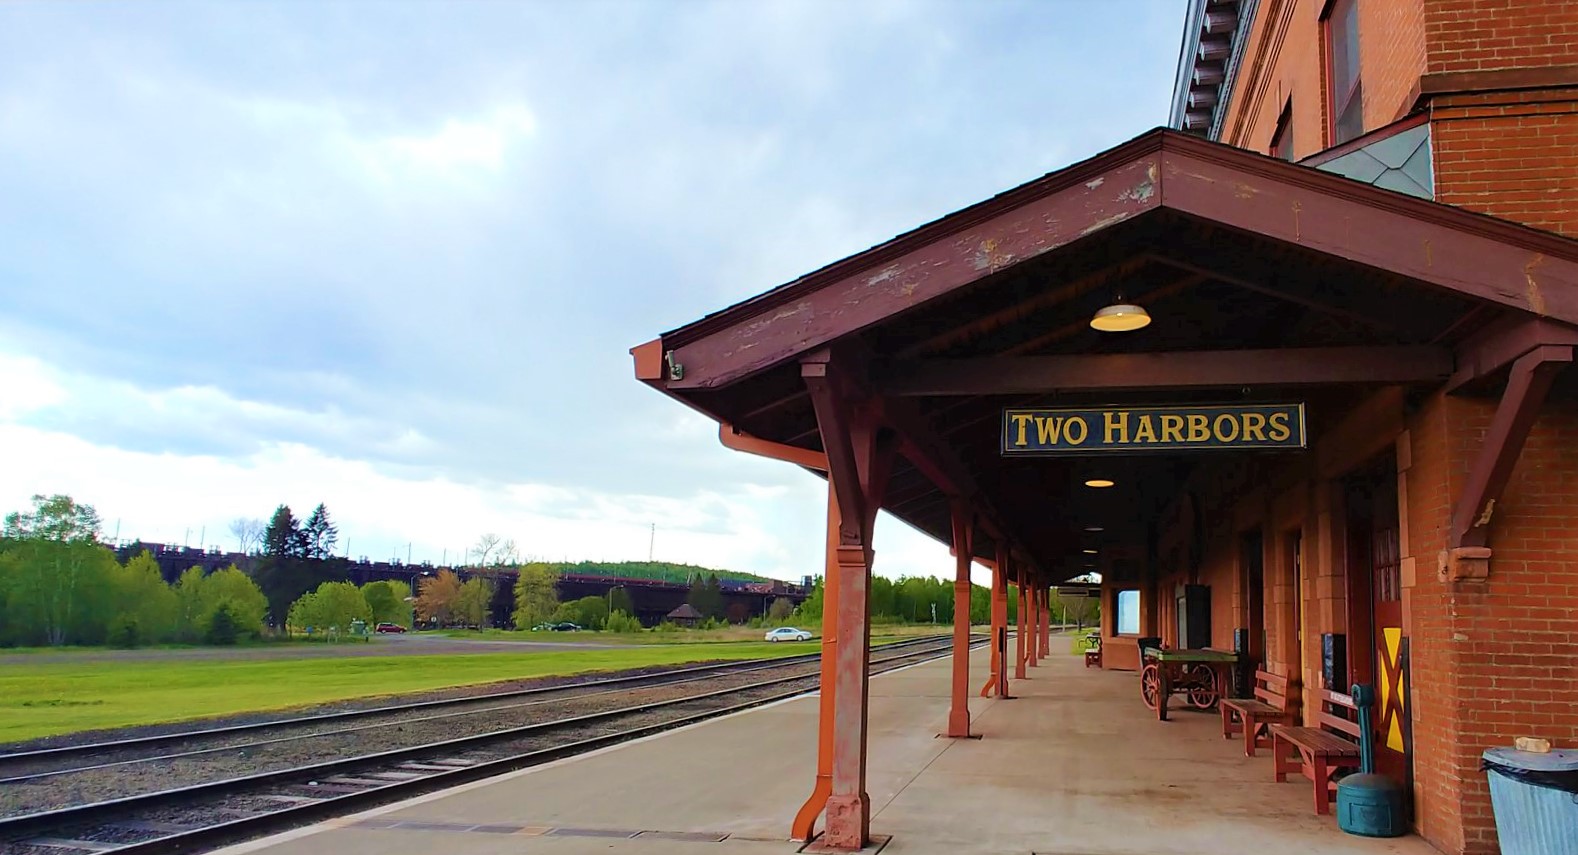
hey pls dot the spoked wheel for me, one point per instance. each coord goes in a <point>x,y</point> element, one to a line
<point>1202,686</point>
<point>1151,685</point>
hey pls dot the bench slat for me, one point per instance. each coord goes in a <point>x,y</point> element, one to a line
<point>1248,706</point>
<point>1318,742</point>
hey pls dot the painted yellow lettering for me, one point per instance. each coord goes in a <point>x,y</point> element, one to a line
<point>1254,427</point>
<point>1222,435</point>
<point>1020,420</point>
<point>1279,427</point>
<point>1199,430</point>
<point>1049,429</point>
<point>1146,432</point>
<point>1073,426</point>
<point>1172,428</point>
<point>1117,423</point>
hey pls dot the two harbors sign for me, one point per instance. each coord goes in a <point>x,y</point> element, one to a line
<point>1134,429</point>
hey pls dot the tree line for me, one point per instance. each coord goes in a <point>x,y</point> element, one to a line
<point>60,585</point>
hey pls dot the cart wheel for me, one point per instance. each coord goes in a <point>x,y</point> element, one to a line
<point>1150,685</point>
<point>1203,691</point>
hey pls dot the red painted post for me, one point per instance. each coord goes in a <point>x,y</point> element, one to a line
<point>963,550</point>
<point>804,826</point>
<point>1020,653</point>
<point>849,807</point>
<point>1046,622</point>
<point>999,619</point>
<point>1034,629</point>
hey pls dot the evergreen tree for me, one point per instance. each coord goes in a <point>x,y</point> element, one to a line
<point>282,538</point>
<point>319,534</point>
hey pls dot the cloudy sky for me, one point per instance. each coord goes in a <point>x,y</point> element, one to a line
<point>391,256</point>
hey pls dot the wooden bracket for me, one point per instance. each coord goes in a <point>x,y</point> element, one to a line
<point>1468,555</point>
<point>1464,563</point>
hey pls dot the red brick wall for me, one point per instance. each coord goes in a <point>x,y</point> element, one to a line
<point>1427,621</point>
<point>1511,154</point>
<point>1480,35</point>
<point>1498,657</point>
<point>1285,57</point>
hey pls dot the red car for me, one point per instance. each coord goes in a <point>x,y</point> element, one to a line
<point>389,627</point>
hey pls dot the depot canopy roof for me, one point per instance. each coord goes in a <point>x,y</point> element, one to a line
<point>1235,255</point>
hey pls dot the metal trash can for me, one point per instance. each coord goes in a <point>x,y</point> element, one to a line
<point>1535,799</point>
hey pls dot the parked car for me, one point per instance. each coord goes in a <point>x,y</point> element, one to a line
<point>788,633</point>
<point>390,627</point>
<point>566,627</point>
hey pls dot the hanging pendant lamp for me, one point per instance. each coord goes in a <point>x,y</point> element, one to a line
<point>1120,317</point>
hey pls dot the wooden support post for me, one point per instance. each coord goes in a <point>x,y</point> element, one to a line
<point>1034,624</point>
<point>1020,649</point>
<point>997,683</point>
<point>860,458</point>
<point>1046,622</point>
<point>963,550</point>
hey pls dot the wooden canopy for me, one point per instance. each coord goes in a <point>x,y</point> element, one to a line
<point>1266,281</point>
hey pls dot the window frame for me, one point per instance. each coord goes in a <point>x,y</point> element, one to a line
<point>1338,104</point>
<point>1117,613</point>
<point>1282,136</point>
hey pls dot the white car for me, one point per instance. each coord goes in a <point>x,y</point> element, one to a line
<point>788,633</point>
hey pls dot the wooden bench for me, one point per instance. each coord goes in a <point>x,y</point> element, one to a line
<point>1092,651</point>
<point>1253,717</point>
<point>1319,752</point>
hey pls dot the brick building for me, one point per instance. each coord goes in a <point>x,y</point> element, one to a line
<point>1472,103</point>
<point>1290,375</point>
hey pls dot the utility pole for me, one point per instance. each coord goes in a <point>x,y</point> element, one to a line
<point>651,542</point>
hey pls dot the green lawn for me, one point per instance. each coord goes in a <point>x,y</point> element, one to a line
<point>52,698</point>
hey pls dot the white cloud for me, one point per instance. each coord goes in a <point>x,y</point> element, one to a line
<point>26,385</point>
<point>172,498</point>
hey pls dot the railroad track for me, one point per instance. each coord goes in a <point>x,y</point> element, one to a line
<point>34,765</point>
<point>202,815</point>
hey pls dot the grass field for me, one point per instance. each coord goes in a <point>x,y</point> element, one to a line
<point>53,698</point>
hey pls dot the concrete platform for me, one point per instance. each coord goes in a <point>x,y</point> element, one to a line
<point>1073,766</point>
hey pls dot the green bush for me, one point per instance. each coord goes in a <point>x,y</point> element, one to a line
<point>623,623</point>
<point>124,631</point>
<point>224,626</point>
<point>666,626</point>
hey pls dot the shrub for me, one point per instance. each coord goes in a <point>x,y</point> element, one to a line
<point>124,631</point>
<point>621,622</point>
<point>666,626</point>
<point>225,624</point>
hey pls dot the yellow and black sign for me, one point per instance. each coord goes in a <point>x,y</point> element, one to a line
<point>1134,429</point>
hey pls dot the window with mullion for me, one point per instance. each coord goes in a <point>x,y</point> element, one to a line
<point>1342,62</point>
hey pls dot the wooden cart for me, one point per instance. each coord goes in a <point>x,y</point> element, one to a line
<point>1201,676</point>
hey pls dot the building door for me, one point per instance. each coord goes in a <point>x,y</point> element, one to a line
<point>1391,656</point>
<point>1378,651</point>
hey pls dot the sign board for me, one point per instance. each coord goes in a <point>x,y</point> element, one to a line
<point>1078,592</point>
<point>1032,431</point>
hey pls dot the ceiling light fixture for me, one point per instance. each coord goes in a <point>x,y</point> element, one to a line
<point>1120,317</point>
<point>1090,552</point>
<point>1098,482</point>
<point>1094,528</point>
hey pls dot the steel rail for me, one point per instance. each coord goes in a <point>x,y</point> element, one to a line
<point>165,738</point>
<point>30,825</point>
